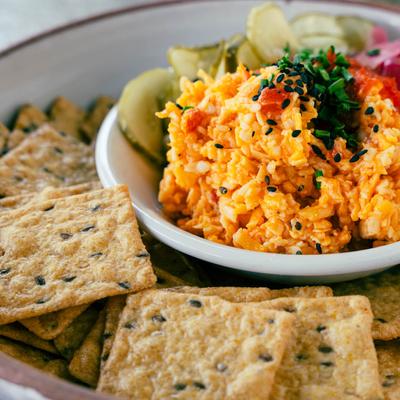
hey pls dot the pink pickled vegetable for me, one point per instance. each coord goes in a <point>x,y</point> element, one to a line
<point>378,36</point>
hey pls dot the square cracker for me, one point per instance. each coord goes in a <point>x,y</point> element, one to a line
<point>188,346</point>
<point>29,118</point>
<point>383,292</point>
<point>48,193</point>
<point>45,158</point>
<point>243,294</point>
<point>35,358</point>
<point>85,364</point>
<point>77,249</point>
<point>389,368</point>
<point>332,355</point>
<point>116,304</point>
<point>49,326</point>
<point>95,117</point>
<point>66,116</point>
<point>72,337</point>
<point>19,333</point>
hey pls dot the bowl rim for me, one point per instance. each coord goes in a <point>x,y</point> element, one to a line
<point>11,369</point>
<point>257,262</point>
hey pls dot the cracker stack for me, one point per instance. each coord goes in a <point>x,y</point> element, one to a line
<point>79,299</point>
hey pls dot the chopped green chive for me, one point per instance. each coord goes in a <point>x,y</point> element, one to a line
<point>374,52</point>
<point>187,108</point>
<point>319,133</point>
<point>317,174</point>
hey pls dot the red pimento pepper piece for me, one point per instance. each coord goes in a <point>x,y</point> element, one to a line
<point>271,101</point>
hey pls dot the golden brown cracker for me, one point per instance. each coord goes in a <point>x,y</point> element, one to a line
<point>35,358</point>
<point>49,326</point>
<point>91,124</point>
<point>73,336</point>
<point>48,193</point>
<point>77,249</point>
<point>85,364</point>
<point>382,291</point>
<point>389,368</point>
<point>4,133</point>
<point>29,118</point>
<point>195,347</point>
<point>45,158</point>
<point>19,333</point>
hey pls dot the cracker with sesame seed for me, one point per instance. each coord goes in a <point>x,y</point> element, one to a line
<point>66,116</point>
<point>382,291</point>
<point>389,368</point>
<point>190,346</point>
<point>29,118</point>
<point>73,336</point>
<point>4,133</point>
<point>68,252</point>
<point>85,364</point>
<point>49,326</point>
<point>95,116</point>
<point>48,193</point>
<point>19,333</point>
<point>45,158</point>
<point>247,294</point>
<point>332,355</point>
<point>116,304</point>
<point>36,358</point>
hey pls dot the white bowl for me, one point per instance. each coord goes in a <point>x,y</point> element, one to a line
<point>117,162</point>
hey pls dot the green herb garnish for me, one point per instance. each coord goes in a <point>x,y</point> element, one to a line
<point>374,52</point>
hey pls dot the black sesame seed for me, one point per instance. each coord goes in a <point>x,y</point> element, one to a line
<point>95,208</point>
<point>124,285</point>
<point>318,151</point>
<point>271,321</point>
<point>88,228</point>
<point>158,318</point>
<point>388,383</point>
<point>280,78</point>
<point>65,236</point>
<point>271,85</point>
<point>320,328</point>
<point>299,252</point>
<point>255,98</point>
<point>269,130</point>
<point>179,386</point>
<point>223,190</point>
<point>299,90</point>
<point>218,146</point>
<point>221,367</point>
<point>289,81</point>
<point>45,169</point>
<point>253,133</point>
<point>296,132</point>
<point>301,357</point>
<point>299,82</point>
<point>130,325</point>
<point>288,89</point>
<point>369,111</point>
<point>195,303</point>
<point>39,280</point>
<point>143,254</point>
<point>318,247</point>
<point>357,156</point>
<point>267,179</point>
<point>300,188</point>
<point>4,271</point>
<point>271,189</point>
<point>271,122</point>
<point>375,128</point>
<point>104,357</point>
<point>41,301</point>
<point>381,320</point>
<point>58,150</point>
<point>69,278</point>
<point>304,98</point>
<point>179,106</point>
<point>289,309</point>
<point>337,157</point>
<point>293,73</point>
<point>285,103</point>
<point>107,335</point>
<point>49,208</point>
<point>326,364</point>
<point>325,349</point>
<point>61,133</point>
<point>266,357</point>
<point>298,225</point>
<point>303,107</point>
<point>93,255</point>
<point>199,385</point>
